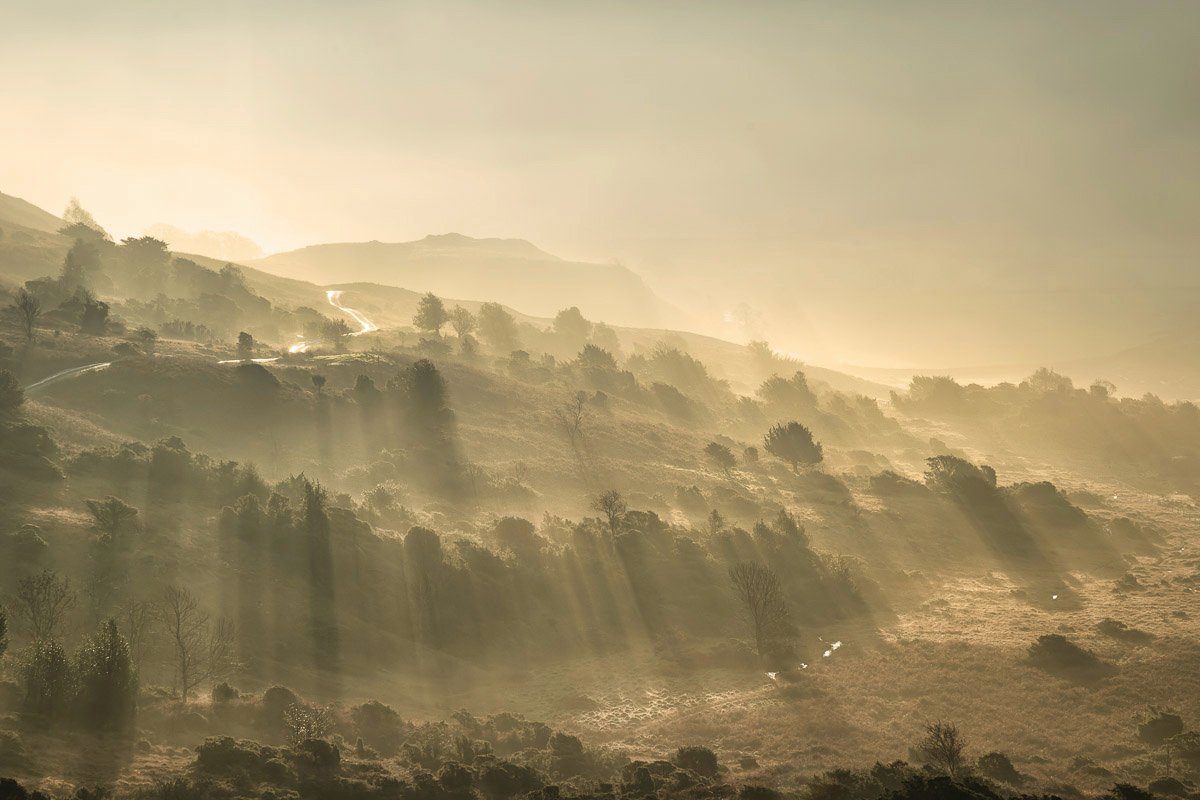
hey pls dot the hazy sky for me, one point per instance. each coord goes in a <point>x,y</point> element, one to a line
<point>873,140</point>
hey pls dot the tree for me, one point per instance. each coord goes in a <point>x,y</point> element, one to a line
<point>573,418</point>
<point>763,605</point>
<point>137,617</point>
<point>42,602</point>
<point>201,649</point>
<point>12,396</point>
<point>80,265</point>
<point>94,319</point>
<point>944,748</point>
<point>498,328</point>
<point>147,338</point>
<point>571,326</point>
<point>245,345</point>
<point>107,684</point>
<point>721,456</point>
<point>110,515</point>
<point>48,680</point>
<point>318,382</point>
<point>431,314</point>
<point>613,507</point>
<point>29,309</point>
<point>794,444</point>
<point>75,214</point>
<point>462,321</point>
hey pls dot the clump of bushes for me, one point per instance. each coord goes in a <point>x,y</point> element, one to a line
<point>1059,656</point>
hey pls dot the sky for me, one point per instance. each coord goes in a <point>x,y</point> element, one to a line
<point>825,147</point>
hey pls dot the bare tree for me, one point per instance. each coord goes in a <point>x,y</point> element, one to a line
<point>135,621</point>
<point>29,309</point>
<point>42,603</point>
<point>573,418</point>
<point>613,507</point>
<point>202,649</point>
<point>763,604</point>
<point>944,747</point>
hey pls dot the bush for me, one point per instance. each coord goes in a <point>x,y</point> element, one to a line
<point>1060,656</point>
<point>999,767</point>
<point>107,696</point>
<point>1161,725</point>
<point>699,760</point>
<point>379,726</point>
<point>48,681</point>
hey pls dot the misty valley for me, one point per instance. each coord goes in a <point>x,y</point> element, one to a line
<point>267,538</point>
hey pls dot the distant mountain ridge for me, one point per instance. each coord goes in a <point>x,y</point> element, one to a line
<point>511,271</point>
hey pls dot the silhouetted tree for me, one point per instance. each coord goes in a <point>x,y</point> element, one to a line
<point>431,314</point>
<point>763,605</point>
<point>573,418</point>
<point>245,345</point>
<point>94,319</point>
<point>29,309</point>
<point>787,393</point>
<point>721,456</point>
<point>201,649</point>
<point>613,507</point>
<point>572,328</point>
<point>462,321</point>
<point>318,382</point>
<point>42,602</point>
<point>107,684</point>
<point>110,515</point>
<point>498,328</point>
<point>944,748</point>
<point>794,444</point>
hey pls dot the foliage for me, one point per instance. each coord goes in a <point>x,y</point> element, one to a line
<point>431,314</point>
<point>793,443</point>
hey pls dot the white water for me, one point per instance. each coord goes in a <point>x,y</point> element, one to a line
<point>68,373</point>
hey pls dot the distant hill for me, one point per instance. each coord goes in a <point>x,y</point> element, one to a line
<point>509,271</point>
<point>224,245</point>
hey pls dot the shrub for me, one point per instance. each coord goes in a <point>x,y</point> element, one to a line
<point>999,767</point>
<point>1159,727</point>
<point>48,681</point>
<point>107,684</point>
<point>1060,656</point>
<point>699,760</point>
<point>379,726</point>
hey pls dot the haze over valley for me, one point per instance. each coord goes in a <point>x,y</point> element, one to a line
<point>528,401</point>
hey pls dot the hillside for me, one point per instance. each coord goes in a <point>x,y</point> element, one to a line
<point>509,271</point>
<point>29,254</point>
<point>15,211</point>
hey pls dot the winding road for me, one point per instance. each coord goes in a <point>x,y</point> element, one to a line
<point>334,296</point>
<point>68,373</point>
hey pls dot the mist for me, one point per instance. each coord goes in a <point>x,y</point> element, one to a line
<point>532,401</point>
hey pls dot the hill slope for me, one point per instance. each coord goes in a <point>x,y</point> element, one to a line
<point>510,271</point>
<point>15,211</point>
